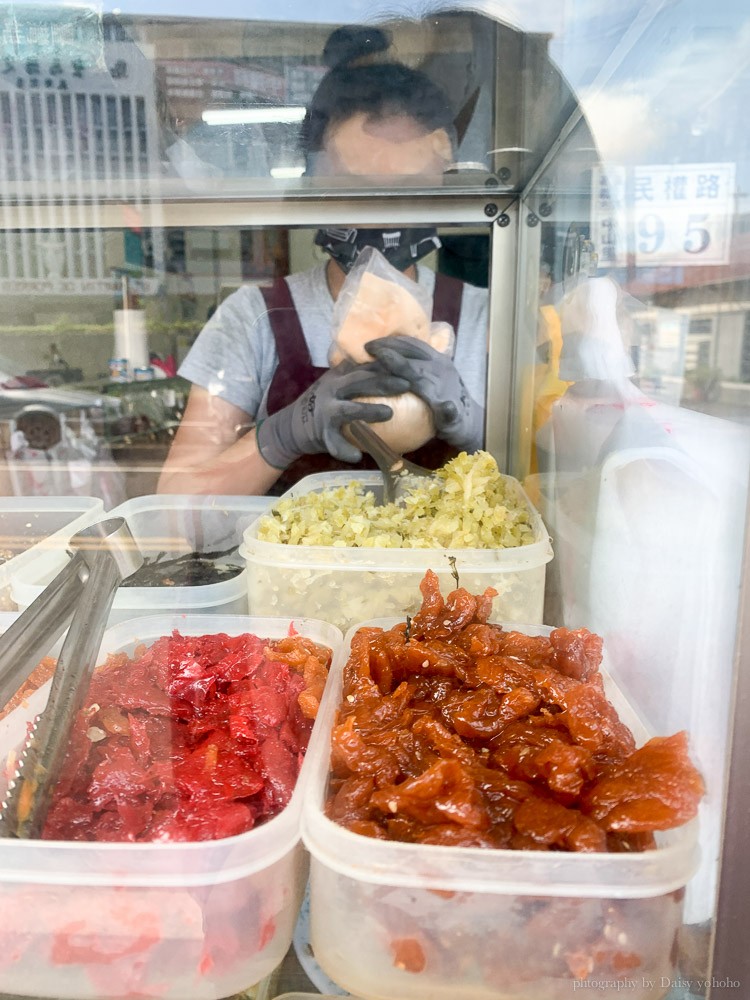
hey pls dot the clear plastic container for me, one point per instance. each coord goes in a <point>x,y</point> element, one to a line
<point>34,526</point>
<point>6,620</point>
<point>174,525</point>
<point>188,921</point>
<point>13,724</point>
<point>398,921</point>
<point>347,585</point>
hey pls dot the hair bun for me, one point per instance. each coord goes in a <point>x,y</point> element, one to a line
<point>351,43</point>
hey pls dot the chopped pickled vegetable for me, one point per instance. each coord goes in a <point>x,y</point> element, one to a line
<point>467,504</point>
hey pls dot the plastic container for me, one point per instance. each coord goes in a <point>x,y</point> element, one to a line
<point>6,620</point>
<point>397,921</point>
<point>13,725</point>
<point>189,921</point>
<point>347,585</point>
<point>35,526</point>
<point>174,525</point>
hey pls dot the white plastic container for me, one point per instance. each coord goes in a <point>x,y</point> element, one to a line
<point>397,921</point>
<point>6,620</point>
<point>181,921</point>
<point>175,525</point>
<point>35,526</point>
<point>347,585</point>
<point>13,726</point>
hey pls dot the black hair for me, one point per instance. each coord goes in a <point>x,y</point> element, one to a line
<point>376,89</point>
<point>353,42</point>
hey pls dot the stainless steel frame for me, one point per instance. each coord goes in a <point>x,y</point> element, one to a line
<point>329,209</point>
<point>730,959</point>
<point>504,246</point>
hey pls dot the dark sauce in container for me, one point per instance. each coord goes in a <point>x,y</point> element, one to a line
<point>195,569</point>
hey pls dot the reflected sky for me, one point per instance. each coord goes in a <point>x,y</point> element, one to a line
<point>658,81</point>
<point>680,92</point>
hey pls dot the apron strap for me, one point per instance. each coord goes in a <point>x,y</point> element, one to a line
<point>446,300</point>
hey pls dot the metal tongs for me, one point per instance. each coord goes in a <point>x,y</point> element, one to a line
<point>397,471</point>
<point>79,599</point>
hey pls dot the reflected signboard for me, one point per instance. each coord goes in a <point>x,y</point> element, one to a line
<point>676,215</point>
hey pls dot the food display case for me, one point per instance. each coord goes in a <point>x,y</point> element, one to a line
<point>588,238</point>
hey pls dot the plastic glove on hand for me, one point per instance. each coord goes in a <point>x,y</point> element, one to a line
<point>313,423</point>
<point>434,378</point>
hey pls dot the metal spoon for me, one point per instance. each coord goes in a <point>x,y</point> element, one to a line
<point>397,471</point>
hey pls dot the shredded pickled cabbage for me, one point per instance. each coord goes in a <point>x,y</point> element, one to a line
<point>467,504</point>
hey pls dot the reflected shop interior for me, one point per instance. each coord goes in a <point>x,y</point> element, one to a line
<point>147,110</point>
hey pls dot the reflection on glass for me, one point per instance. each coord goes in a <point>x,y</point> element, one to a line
<point>634,385</point>
<point>619,130</point>
<point>135,106</point>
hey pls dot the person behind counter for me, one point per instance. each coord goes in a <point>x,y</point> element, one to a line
<point>264,408</point>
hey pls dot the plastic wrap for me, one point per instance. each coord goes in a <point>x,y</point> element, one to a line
<point>376,301</point>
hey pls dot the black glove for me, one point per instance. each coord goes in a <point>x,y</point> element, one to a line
<point>434,378</point>
<point>312,423</point>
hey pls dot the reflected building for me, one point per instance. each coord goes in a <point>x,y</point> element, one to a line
<point>70,126</point>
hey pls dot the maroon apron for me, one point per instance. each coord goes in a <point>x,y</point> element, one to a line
<point>296,373</point>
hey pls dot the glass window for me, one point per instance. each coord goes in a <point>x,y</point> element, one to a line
<point>631,381</point>
<point>556,200</point>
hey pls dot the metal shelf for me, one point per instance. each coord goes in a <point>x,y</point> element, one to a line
<point>255,202</point>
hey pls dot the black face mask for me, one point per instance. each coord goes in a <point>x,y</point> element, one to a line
<point>400,247</point>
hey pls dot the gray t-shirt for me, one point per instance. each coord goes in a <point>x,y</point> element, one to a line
<point>235,356</point>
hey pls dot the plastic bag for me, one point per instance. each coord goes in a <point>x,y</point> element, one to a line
<point>595,324</point>
<point>376,301</point>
